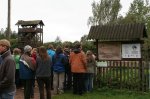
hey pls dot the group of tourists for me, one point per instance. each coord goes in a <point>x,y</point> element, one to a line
<point>54,70</point>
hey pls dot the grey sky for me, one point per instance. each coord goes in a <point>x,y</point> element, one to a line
<point>64,18</point>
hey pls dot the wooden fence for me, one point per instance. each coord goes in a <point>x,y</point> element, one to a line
<point>132,75</point>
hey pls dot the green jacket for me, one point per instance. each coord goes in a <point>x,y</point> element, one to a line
<point>17,58</point>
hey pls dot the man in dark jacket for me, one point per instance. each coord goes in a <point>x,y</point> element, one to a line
<point>7,71</point>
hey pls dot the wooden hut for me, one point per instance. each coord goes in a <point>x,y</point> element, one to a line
<point>117,35</point>
<point>120,56</point>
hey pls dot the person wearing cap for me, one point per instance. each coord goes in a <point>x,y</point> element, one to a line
<point>27,69</point>
<point>7,71</point>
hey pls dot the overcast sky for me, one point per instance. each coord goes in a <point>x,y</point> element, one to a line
<point>64,18</point>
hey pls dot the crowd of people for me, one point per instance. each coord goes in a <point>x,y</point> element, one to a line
<point>54,70</point>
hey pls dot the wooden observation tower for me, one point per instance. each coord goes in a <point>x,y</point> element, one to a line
<point>30,33</point>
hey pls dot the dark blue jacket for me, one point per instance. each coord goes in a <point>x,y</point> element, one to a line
<point>59,63</point>
<point>25,72</point>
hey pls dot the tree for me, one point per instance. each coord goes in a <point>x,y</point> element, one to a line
<point>83,38</point>
<point>67,44</point>
<point>87,45</point>
<point>2,31</point>
<point>138,12</point>
<point>57,39</point>
<point>104,12</point>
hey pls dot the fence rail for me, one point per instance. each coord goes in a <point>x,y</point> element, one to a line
<point>132,75</point>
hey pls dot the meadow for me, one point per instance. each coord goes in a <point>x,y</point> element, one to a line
<point>105,94</point>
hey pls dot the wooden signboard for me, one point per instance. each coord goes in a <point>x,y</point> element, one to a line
<point>109,51</point>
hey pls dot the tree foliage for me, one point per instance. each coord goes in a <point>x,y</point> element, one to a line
<point>87,45</point>
<point>58,39</point>
<point>138,12</point>
<point>107,12</point>
<point>104,12</point>
<point>13,37</point>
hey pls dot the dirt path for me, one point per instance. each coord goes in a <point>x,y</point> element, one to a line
<point>19,93</point>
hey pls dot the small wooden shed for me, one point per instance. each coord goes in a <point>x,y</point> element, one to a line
<point>30,33</point>
<point>117,35</point>
<point>120,56</point>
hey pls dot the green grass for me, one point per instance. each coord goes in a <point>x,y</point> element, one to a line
<point>105,94</point>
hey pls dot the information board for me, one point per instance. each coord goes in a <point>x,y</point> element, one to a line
<point>131,51</point>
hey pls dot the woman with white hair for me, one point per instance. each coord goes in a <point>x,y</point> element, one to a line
<point>27,68</point>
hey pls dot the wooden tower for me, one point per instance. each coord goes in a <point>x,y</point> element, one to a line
<point>30,33</point>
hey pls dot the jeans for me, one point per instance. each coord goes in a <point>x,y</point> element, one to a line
<point>89,81</point>
<point>9,95</point>
<point>68,80</point>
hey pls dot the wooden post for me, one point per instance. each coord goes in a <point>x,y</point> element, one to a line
<point>9,20</point>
